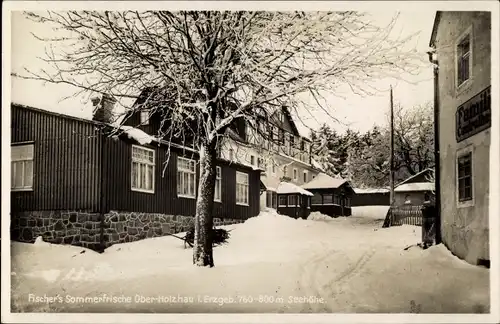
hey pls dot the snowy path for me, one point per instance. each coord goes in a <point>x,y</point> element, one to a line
<point>272,264</point>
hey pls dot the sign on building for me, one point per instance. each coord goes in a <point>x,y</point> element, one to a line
<point>474,116</point>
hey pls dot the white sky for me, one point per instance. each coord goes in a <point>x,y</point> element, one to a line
<point>360,113</point>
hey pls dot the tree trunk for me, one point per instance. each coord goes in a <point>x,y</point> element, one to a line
<point>203,221</point>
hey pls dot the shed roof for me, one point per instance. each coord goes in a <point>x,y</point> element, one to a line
<point>415,186</point>
<point>290,188</point>
<point>324,181</point>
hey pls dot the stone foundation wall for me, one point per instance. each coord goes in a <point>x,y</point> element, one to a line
<point>121,227</point>
<point>84,229</point>
<point>61,227</point>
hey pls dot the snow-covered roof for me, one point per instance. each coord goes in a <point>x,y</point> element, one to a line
<point>290,188</point>
<point>138,135</point>
<point>416,175</point>
<point>415,186</point>
<point>370,190</point>
<point>324,181</point>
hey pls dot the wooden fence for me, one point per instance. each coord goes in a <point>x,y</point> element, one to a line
<point>408,215</point>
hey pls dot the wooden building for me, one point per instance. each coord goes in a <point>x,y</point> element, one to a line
<point>370,197</point>
<point>415,190</point>
<point>293,200</point>
<point>331,196</point>
<point>88,183</point>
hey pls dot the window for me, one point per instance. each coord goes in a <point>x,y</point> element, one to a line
<point>281,137</point>
<point>285,170</point>
<point>145,117</point>
<point>241,188</point>
<point>465,177</point>
<point>22,167</point>
<point>186,178</point>
<point>336,199</point>
<point>305,176</point>
<point>274,168</point>
<point>143,169</point>
<point>348,202</point>
<point>295,174</point>
<point>282,201</point>
<point>252,160</point>
<point>317,199</point>
<point>292,200</point>
<point>463,59</point>
<point>327,199</point>
<point>218,184</point>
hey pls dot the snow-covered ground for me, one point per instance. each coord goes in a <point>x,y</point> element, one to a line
<point>272,263</point>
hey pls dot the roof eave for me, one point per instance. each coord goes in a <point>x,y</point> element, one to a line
<point>437,18</point>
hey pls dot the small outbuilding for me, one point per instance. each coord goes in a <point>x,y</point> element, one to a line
<point>415,190</point>
<point>331,196</point>
<point>371,197</point>
<point>293,200</point>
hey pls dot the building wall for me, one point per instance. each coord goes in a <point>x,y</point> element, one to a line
<point>464,228</point>
<point>83,228</point>
<point>416,198</point>
<point>371,199</point>
<point>66,163</point>
<point>165,200</point>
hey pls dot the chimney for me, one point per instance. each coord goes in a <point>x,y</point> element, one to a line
<point>103,107</point>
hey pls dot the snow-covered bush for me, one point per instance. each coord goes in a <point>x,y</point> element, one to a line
<point>220,236</point>
<point>317,216</point>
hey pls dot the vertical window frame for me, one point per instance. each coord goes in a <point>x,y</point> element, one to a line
<point>218,189</point>
<point>15,162</point>
<point>462,153</point>
<point>468,33</point>
<point>240,187</point>
<point>191,172</point>
<point>144,116</point>
<point>142,163</point>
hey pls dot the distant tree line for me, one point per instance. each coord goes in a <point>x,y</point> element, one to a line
<point>363,158</point>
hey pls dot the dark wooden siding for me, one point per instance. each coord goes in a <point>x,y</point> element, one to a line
<point>332,209</point>
<point>119,195</point>
<point>371,199</point>
<point>66,169</point>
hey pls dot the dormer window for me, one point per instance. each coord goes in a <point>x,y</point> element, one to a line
<point>145,117</point>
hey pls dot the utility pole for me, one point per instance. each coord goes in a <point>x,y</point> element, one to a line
<point>391,159</point>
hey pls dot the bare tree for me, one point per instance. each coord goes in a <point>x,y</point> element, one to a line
<point>414,133</point>
<point>206,69</point>
<point>413,151</point>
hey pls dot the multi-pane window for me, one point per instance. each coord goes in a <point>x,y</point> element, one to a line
<point>317,199</point>
<point>22,167</point>
<point>465,177</point>
<point>463,59</point>
<point>282,200</point>
<point>292,200</point>
<point>242,188</point>
<point>143,167</point>
<point>186,177</point>
<point>327,199</point>
<point>145,117</point>
<point>218,184</point>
